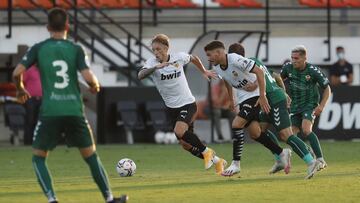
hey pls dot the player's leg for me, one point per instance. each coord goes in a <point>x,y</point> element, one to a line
<point>182,130</point>
<point>79,134</point>
<point>283,155</point>
<point>278,165</point>
<point>237,133</point>
<point>46,135</point>
<point>288,135</point>
<point>307,126</point>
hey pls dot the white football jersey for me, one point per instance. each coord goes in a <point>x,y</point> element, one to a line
<point>238,74</point>
<point>171,81</point>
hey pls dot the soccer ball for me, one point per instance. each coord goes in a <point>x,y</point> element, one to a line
<point>126,167</point>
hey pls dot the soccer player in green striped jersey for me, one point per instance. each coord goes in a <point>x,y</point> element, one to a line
<point>61,112</point>
<point>279,118</point>
<point>304,80</point>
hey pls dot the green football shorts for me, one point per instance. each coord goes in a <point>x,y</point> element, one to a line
<point>51,129</point>
<point>278,116</point>
<point>296,119</point>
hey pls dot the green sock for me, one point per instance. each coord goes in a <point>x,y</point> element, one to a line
<point>299,147</point>
<point>315,144</point>
<point>100,177</point>
<point>273,137</point>
<point>44,177</point>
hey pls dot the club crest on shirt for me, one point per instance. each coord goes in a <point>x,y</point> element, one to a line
<point>235,74</point>
<point>307,77</point>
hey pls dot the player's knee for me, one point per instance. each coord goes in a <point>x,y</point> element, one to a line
<point>179,133</point>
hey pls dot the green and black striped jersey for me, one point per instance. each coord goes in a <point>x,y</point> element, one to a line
<point>304,86</point>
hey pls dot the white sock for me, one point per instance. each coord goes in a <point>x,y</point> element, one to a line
<point>110,198</point>
<point>321,159</point>
<point>216,159</point>
<point>236,163</point>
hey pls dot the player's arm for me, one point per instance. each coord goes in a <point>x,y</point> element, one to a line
<point>323,82</point>
<point>146,71</point>
<point>206,73</point>
<point>260,76</point>
<point>91,80</point>
<point>325,97</point>
<point>231,97</point>
<point>21,93</point>
<point>280,82</point>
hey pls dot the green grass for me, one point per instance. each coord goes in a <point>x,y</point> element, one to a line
<point>169,174</point>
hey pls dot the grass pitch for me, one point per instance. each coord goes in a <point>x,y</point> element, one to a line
<point>166,173</point>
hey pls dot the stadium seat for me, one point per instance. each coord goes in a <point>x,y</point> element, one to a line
<point>25,4</point>
<point>3,4</point>
<point>250,3</point>
<point>158,116</point>
<point>128,116</point>
<point>131,3</point>
<point>312,3</point>
<point>111,3</point>
<point>228,3</point>
<point>323,3</point>
<point>184,3</point>
<point>128,113</point>
<point>353,3</point>
<point>161,3</point>
<point>14,119</point>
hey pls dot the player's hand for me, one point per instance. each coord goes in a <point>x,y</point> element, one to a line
<point>264,104</point>
<point>210,75</point>
<point>162,65</point>
<point>288,101</point>
<point>94,89</point>
<point>318,110</point>
<point>251,86</point>
<point>22,95</point>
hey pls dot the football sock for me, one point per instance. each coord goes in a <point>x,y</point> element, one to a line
<point>193,140</point>
<point>100,176</point>
<point>268,143</point>
<point>273,137</point>
<point>315,144</point>
<point>238,142</point>
<point>299,147</point>
<point>196,152</point>
<point>44,177</point>
<point>216,159</point>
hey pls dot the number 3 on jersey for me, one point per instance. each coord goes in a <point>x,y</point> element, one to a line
<point>61,73</point>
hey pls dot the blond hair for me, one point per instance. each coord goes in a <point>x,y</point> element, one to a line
<point>299,49</point>
<point>162,39</point>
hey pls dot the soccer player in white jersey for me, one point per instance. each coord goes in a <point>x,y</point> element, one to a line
<point>279,117</point>
<point>166,70</point>
<point>238,71</point>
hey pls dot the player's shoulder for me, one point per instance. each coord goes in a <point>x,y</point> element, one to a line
<point>151,61</point>
<point>39,44</point>
<point>235,58</point>
<point>287,65</point>
<point>179,55</point>
<point>313,68</point>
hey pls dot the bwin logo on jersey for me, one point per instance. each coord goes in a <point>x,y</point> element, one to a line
<point>241,84</point>
<point>170,76</point>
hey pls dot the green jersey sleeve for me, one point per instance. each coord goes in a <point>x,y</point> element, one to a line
<point>319,76</point>
<point>82,59</point>
<point>30,58</point>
